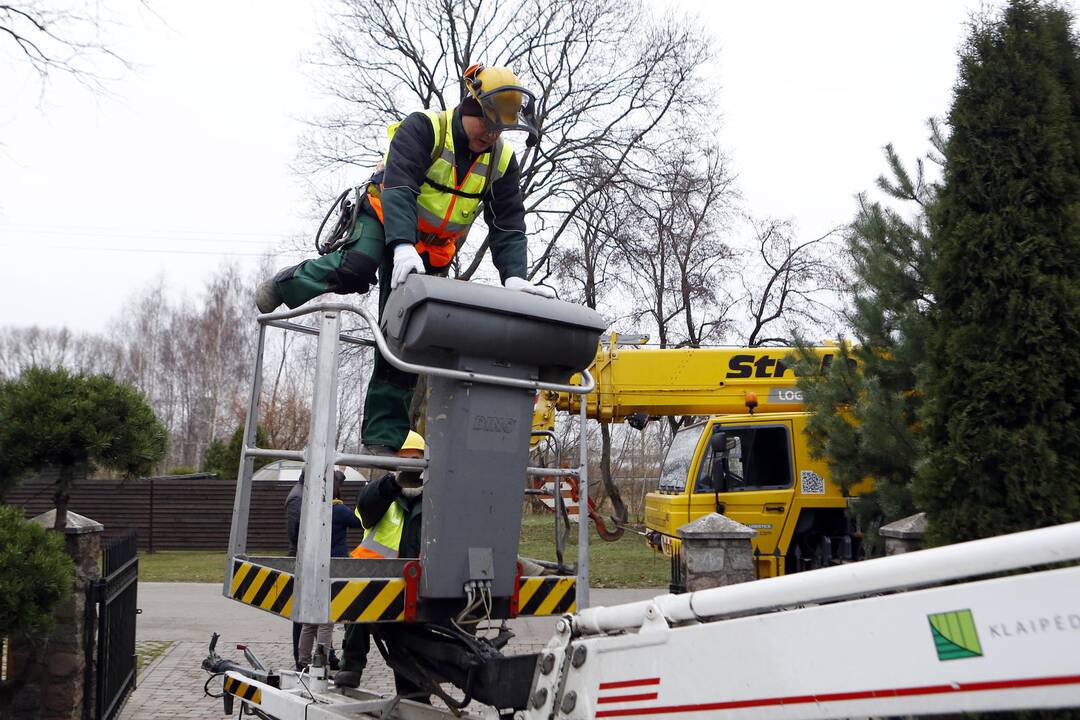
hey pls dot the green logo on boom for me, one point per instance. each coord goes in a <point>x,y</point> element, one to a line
<point>954,635</point>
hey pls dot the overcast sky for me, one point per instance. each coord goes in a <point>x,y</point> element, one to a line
<point>188,164</point>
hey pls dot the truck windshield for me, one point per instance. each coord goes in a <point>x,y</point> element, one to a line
<point>679,457</point>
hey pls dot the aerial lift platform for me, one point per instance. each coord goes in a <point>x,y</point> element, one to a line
<point>935,631</point>
<point>486,352</point>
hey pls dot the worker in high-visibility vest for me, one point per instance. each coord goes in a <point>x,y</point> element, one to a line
<point>390,511</point>
<point>416,210</point>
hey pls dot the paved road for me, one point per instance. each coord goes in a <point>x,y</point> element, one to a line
<point>187,613</point>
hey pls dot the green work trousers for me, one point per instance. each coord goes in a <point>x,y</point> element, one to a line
<point>355,647</point>
<point>353,269</point>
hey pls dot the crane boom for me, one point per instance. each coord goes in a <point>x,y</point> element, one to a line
<point>688,381</point>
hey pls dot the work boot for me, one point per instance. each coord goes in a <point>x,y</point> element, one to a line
<point>347,678</point>
<point>267,296</point>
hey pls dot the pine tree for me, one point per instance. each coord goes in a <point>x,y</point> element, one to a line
<point>865,413</point>
<point>224,460</point>
<point>75,423</point>
<point>1003,377</point>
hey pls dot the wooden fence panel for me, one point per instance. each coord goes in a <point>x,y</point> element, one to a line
<point>172,513</point>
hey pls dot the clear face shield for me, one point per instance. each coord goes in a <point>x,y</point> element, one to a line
<point>510,108</point>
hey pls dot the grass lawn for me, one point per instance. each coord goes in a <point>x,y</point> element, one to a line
<point>183,566</point>
<point>625,563</point>
<point>150,650</point>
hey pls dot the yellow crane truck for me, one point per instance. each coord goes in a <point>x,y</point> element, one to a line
<point>748,460</point>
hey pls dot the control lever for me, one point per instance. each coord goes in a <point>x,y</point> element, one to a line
<point>251,657</point>
<point>214,663</point>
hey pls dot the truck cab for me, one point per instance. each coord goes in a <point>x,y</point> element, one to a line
<point>754,469</point>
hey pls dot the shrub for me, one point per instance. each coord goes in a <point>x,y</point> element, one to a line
<point>35,575</point>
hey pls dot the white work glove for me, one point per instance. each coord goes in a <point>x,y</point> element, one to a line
<point>406,260</point>
<point>516,283</point>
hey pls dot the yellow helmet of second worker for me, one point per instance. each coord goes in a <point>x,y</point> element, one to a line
<point>413,441</point>
<point>505,103</point>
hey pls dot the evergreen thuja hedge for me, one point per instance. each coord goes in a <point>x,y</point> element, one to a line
<point>35,574</point>
<point>1002,411</point>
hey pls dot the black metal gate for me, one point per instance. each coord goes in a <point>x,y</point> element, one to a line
<point>116,597</point>
<point>678,579</point>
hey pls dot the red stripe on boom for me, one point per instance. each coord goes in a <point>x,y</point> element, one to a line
<point>627,698</point>
<point>629,683</point>
<point>857,695</point>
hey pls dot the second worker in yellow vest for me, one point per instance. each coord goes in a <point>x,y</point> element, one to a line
<point>440,172</point>
<point>390,510</point>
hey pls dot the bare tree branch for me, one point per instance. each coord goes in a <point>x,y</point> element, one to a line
<point>67,41</point>
<point>799,281</point>
<point>678,257</point>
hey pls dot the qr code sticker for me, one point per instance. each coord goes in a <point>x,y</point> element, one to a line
<point>812,483</point>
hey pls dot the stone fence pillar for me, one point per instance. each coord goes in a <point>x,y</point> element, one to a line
<point>56,686</point>
<point>904,535</point>
<point>716,551</point>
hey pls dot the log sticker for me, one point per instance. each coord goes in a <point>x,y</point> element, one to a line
<point>954,635</point>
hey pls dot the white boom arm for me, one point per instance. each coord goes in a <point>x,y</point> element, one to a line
<point>772,649</point>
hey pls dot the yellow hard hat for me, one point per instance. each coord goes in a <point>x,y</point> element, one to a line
<point>506,104</point>
<point>413,441</point>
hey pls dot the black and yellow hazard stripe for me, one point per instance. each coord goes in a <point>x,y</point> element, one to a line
<point>372,600</point>
<point>243,690</point>
<point>262,587</point>
<point>546,596</point>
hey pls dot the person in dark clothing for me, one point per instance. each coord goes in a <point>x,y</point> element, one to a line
<point>413,214</point>
<point>293,502</point>
<point>342,518</point>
